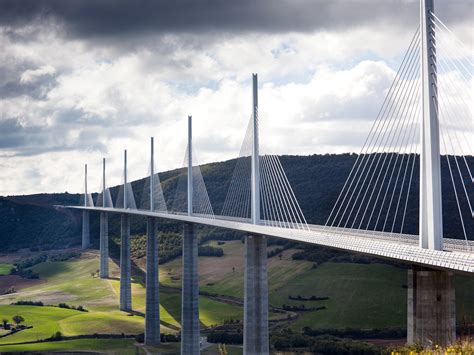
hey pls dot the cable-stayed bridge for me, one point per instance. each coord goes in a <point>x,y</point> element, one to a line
<point>425,117</point>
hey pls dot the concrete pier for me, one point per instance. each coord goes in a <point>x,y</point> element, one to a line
<point>85,230</point>
<point>125,266</point>
<point>190,335</point>
<point>104,246</point>
<point>431,316</point>
<point>152,316</point>
<point>256,296</point>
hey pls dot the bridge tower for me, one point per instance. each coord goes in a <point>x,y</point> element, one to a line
<point>125,263</point>
<point>190,336</point>
<point>256,278</point>
<point>85,215</point>
<point>431,216</point>
<point>152,315</point>
<point>431,300</point>
<point>104,231</point>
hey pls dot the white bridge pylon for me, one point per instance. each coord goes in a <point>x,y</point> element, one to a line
<point>424,129</point>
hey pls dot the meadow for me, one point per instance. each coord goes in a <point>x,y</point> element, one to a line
<point>359,296</point>
<point>5,269</point>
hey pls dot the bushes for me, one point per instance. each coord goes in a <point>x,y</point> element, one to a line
<point>325,344</point>
<point>302,308</point>
<point>210,251</point>
<point>225,338</point>
<point>78,308</point>
<point>376,333</point>
<point>312,298</point>
<point>41,304</point>
<point>25,273</point>
<point>56,336</point>
<point>164,338</point>
<point>332,345</point>
<point>18,319</point>
<point>28,303</point>
<point>63,256</point>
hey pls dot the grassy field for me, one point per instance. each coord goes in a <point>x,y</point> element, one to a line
<point>75,282</point>
<point>5,269</point>
<point>122,346</point>
<point>115,346</point>
<point>360,295</point>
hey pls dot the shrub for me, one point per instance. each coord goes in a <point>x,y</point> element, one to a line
<point>28,303</point>
<point>18,319</point>
<point>56,336</point>
<point>222,337</point>
<point>210,251</point>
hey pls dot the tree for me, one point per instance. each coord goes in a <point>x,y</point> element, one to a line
<point>18,319</point>
<point>57,336</point>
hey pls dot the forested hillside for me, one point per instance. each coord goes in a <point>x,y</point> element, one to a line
<point>31,221</point>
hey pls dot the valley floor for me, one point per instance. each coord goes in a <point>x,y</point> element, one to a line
<point>359,296</point>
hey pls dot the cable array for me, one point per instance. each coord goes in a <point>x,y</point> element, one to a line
<point>86,198</point>
<point>201,203</point>
<point>128,190</point>
<point>278,204</point>
<point>237,203</point>
<point>454,69</point>
<point>108,198</point>
<point>159,203</point>
<point>376,192</point>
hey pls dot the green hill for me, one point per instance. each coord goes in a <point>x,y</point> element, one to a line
<point>31,221</point>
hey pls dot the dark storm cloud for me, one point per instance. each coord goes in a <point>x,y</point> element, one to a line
<point>36,90</point>
<point>33,140</point>
<point>84,18</point>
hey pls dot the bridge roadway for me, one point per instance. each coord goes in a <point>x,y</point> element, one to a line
<point>457,254</point>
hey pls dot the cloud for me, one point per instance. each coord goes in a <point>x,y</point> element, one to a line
<point>86,18</point>
<point>85,79</point>
<point>32,75</point>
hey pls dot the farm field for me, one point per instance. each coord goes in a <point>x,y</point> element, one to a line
<point>5,269</point>
<point>359,296</point>
<point>75,282</point>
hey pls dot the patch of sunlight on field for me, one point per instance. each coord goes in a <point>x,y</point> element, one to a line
<point>5,269</point>
<point>213,313</point>
<point>70,282</point>
<point>116,346</point>
<point>103,323</point>
<point>45,321</point>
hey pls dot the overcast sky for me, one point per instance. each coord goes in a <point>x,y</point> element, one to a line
<point>84,79</point>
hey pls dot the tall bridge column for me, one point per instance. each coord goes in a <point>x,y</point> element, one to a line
<point>85,229</point>
<point>85,215</point>
<point>431,306</point>
<point>256,296</point>
<point>152,316</point>
<point>125,266</point>
<point>104,246</point>
<point>190,293</point>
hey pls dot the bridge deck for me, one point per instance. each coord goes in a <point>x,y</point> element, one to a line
<point>457,255</point>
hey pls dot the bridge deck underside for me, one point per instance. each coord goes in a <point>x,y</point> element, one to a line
<point>457,255</point>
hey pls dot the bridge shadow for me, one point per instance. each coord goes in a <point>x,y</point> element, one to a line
<point>172,303</point>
